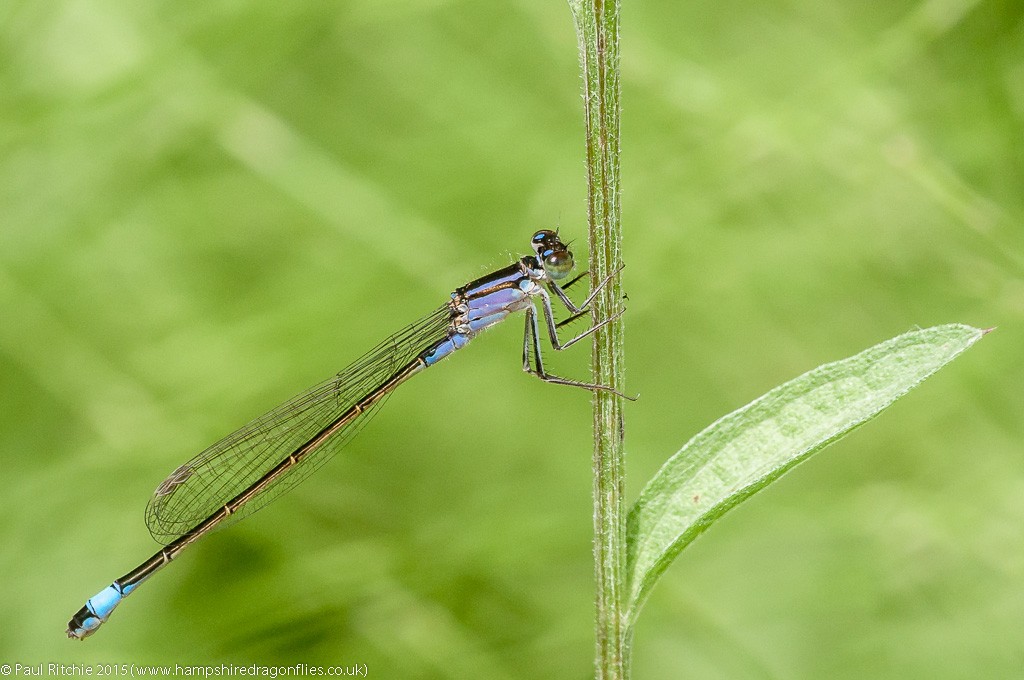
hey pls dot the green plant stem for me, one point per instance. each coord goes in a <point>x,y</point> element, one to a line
<point>597,31</point>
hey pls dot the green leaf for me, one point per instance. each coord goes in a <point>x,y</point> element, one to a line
<point>743,452</point>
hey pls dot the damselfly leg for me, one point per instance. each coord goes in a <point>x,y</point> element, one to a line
<point>531,334</point>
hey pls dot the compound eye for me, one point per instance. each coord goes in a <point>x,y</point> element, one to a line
<point>558,264</point>
<point>542,236</point>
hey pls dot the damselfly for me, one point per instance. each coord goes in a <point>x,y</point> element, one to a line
<point>247,469</point>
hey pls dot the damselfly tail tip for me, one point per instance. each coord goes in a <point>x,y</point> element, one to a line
<point>97,610</point>
<point>82,624</point>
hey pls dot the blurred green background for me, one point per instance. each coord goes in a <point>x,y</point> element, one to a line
<point>206,207</point>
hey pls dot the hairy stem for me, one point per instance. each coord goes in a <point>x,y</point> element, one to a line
<point>597,31</point>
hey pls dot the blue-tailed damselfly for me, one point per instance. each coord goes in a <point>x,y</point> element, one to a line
<point>235,476</point>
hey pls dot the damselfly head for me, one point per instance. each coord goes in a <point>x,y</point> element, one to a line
<point>555,256</point>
